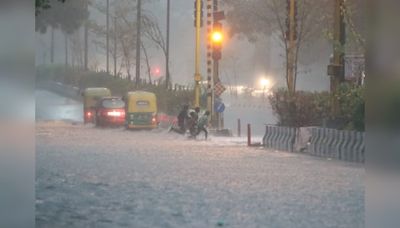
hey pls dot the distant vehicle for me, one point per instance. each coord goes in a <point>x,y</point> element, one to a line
<point>141,110</point>
<point>110,111</point>
<point>90,98</point>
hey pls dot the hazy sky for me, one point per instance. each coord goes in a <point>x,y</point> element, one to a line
<point>248,61</point>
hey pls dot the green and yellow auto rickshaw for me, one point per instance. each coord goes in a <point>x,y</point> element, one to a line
<point>90,98</point>
<point>141,110</point>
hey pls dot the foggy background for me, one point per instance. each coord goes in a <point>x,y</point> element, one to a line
<point>249,61</point>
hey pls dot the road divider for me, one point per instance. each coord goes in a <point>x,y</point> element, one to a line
<point>279,138</point>
<point>322,142</point>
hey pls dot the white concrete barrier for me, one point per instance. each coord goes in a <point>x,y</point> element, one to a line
<point>322,142</point>
<point>279,138</point>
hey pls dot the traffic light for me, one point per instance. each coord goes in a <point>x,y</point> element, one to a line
<point>195,13</point>
<point>216,38</point>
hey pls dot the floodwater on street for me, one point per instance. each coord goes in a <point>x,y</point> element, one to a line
<point>94,177</point>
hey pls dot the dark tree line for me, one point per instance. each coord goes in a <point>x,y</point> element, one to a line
<point>60,14</point>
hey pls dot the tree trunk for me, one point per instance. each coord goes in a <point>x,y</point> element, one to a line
<point>147,62</point>
<point>138,40</point>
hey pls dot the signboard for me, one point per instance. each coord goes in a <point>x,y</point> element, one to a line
<point>219,106</point>
<point>219,89</point>
<point>354,66</point>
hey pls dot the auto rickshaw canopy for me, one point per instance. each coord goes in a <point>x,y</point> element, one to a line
<point>92,95</point>
<point>141,101</point>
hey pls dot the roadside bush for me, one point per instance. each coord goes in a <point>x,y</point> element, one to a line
<point>313,108</point>
<point>300,109</point>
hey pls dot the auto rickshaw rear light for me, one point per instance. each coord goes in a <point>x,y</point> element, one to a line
<point>89,114</point>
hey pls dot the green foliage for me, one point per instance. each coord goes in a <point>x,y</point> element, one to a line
<point>300,109</point>
<point>169,101</point>
<point>312,108</point>
<point>66,15</point>
<point>352,106</point>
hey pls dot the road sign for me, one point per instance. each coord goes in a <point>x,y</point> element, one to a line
<point>219,106</point>
<point>219,89</point>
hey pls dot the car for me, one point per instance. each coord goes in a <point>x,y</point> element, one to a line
<point>110,111</point>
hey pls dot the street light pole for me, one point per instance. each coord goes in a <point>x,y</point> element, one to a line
<point>167,78</point>
<point>107,36</point>
<point>115,46</point>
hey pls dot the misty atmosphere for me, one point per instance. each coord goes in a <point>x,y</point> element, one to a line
<point>251,58</point>
<point>200,113</point>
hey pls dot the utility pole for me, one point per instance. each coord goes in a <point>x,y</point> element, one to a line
<point>115,46</point>
<point>138,40</point>
<point>167,76</point>
<point>197,75</point>
<point>336,68</point>
<point>86,34</point>
<point>107,37</point>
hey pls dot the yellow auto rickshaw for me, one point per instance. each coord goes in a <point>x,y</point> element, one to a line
<point>141,110</point>
<point>90,98</point>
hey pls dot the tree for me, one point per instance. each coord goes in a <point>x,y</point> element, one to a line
<point>65,15</point>
<point>123,11</point>
<point>42,5</point>
<point>257,18</point>
<point>124,33</point>
<point>254,19</point>
<point>153,32</point>
<point>68,16</point>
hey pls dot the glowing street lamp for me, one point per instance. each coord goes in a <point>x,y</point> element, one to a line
<point>264,82</point>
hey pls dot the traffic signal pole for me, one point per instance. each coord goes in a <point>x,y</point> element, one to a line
<point>197,76</point>
<point>210,86</point>
<point>214,115</point>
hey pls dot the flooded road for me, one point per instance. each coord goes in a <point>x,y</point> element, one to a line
<point>51,106</point>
